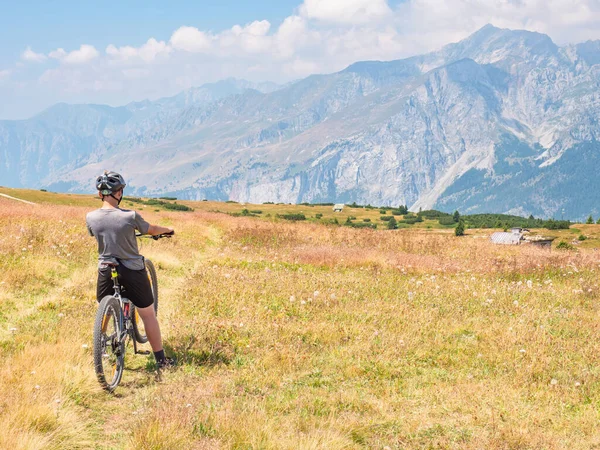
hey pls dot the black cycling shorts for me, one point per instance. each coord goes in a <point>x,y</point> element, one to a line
<point>135,285</point>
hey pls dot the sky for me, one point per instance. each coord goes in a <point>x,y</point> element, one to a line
<point>114,52</point>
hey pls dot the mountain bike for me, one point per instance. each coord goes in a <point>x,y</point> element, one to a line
<point>117,322</point>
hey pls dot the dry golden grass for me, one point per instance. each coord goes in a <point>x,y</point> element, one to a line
<point>303,336</point>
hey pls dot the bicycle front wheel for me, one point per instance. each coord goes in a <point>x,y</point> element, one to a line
<point>138,324</point>
<point>109,350</point>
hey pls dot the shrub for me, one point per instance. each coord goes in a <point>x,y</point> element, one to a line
<point>446,221</point>
<point>562,245</point>
<point>256,211</point>
<point>590,220</point>
<point>168,198</point>
<point>318,215</point>
<point>392,224</point>
<point>383,211</point>
<point>460,229</point>
<point>43,190</point>
<point>294,217</point>
<point>176,207</point>
<point>366,220</point>
<point>582,237</point>
<point>387,218</point>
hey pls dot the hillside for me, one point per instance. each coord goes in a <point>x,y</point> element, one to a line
<point>300,335</point>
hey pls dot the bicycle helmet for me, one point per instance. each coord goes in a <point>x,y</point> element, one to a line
<point>109,183</point>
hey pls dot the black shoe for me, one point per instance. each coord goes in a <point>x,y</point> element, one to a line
<point>166,363</point>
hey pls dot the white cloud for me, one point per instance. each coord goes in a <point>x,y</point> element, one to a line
<point>148,52</point>
<point>190,39</point>
<point>345,11</point>
<point>30,55</point>
<point>85,54</point>
<point>4,74</point>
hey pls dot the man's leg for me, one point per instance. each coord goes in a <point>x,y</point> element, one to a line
<point>152,328</point>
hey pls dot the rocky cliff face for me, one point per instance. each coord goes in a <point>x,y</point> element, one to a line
<point>504,121</point>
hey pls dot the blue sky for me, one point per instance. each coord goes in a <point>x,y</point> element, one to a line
<point>114,52</point>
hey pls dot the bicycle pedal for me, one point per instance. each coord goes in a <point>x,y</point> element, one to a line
<point>142,352</point>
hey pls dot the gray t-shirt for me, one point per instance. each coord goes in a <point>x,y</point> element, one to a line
<point>114,229</point>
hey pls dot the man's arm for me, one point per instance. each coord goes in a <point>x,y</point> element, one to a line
<point>154,230</point>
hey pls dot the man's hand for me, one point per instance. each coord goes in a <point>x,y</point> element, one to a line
<point>154,230</point>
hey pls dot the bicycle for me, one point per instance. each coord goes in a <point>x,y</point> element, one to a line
<point>117,314</point>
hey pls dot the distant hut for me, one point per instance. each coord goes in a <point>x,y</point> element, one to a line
<point>540,241</point>
<point>338,207</point>
<point>504,238</point>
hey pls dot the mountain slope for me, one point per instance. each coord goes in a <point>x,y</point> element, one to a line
<point>432,130</point>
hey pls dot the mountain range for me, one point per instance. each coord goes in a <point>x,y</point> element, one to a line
<point>504,121</point>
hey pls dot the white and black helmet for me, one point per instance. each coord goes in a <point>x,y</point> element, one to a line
<point>109,183</point>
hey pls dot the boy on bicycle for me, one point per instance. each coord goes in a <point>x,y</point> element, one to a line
<point>114,229</point>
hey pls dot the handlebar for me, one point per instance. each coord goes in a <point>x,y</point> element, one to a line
<point>156,237</point>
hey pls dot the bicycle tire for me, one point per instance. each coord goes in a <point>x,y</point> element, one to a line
<point>109,352</point>
<point>140,335</point>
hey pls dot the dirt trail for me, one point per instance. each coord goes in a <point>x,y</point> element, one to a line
<point>18,199</point>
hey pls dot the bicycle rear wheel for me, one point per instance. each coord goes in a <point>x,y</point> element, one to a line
<point>138,324</point>
<point>109,351</point>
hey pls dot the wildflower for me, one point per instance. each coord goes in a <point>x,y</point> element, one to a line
<point>411,295</point>
<point>227,275</point>
<point>529,284</point>
<point>292,298</point>
<point>241,324</point>
<point>14,330</point>
<point>316,294</point>
<point>61,315</point>
<point>577,384</point>
<point>84,346</point>
<point>553,381</point>
<point>522,351</point>
<point>302,302</point>
<point>57,400</point>
<point>516,303</point>
<point>33,372</point>
<point>189,405</point>
<point>401,343</point>
<point>332,296</point>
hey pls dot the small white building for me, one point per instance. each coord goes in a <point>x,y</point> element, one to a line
<point>506,238</point>
<point>339,207</point>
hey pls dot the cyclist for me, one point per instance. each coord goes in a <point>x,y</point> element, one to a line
<point>114,229</point>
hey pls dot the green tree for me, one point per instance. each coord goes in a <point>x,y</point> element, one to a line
<point>598,222</point>
<point>460,229</point>
<point>590,220</point>
<point>392,224</point>
<point>456,216</point>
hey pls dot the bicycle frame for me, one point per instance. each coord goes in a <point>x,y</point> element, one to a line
<point>126,324</point>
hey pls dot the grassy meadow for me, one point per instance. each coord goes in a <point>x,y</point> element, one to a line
<point>302,335</point>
